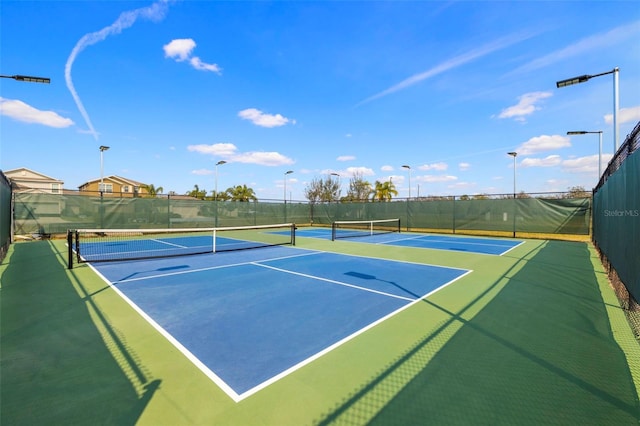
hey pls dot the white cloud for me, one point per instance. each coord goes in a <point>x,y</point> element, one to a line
<point>218,149</point>
<point>625,115</point>
<point>588,164</point>
<point>543,143</point>
<point>230,153</point>
<point>180,50</point>
<point>525,106</point>
<point>435,166</point>
<point>386,168</point>
<point>263,158</point>
<point>464,166</point>
<point>550,161</point>
<point>346,158</point>
<point>20,111</point>
<point>262,119</point>
<point>202,172</point>
<point>439,178</point>
<point>363,171</point>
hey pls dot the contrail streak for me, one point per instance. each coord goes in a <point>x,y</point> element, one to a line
<point>156,12</point>
<point>450,64</point>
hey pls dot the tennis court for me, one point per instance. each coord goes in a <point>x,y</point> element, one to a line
<point>387,329</point>
<point>393,236</point>
<point>249,318</point>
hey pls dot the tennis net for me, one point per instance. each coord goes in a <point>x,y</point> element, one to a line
<point>363,228</point>
<point>103,245</point>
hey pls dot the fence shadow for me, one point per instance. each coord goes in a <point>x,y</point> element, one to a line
<point>540,352</point>
<point>62,362</point>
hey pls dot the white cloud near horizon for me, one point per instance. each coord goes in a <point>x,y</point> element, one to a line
<point>526,106</point>
<point>346,158</point>
<point>262,119</point>
<point>229,152</point>
<point>21,111</point>
<point>464,166</point>
<point>436,179</point>
<point>156,12</point>
<point>549,161</point>
<point>180,50</point>
<point>625,115</point>
<point>587,164</point>
<point>363,171</point>
<point>455,62</point>
<point>543,143</point>
<point>441,166</point>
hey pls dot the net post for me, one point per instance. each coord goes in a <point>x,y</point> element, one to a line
<point>333,231</point>
<point>69,249</point>
<point>399,228</point>
<point>77,237</point>
<point>214,241</point>
<point>293,234</point>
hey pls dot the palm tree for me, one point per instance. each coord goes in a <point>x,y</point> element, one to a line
<point>384,191</point>
<point>197,193</point>
<point>152,191</point>
<point>241,193</point>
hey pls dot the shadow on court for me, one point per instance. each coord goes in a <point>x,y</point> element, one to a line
<point>540,352</point>
<point>62,363</point>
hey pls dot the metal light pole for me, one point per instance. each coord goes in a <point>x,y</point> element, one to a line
<point>215,198</point>
<point>616,97</point>
<point>339,182</point>
<point>599,132</point>
<point>288,172</point>
<point>102,150</point>
<point>409,168</point>
<point>514,155</point>
<point>28,78</point>
<point>219,163</point>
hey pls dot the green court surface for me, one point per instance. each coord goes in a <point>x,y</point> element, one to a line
<point>535,336</point>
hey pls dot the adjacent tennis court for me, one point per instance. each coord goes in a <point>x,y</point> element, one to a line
<point>392,236</point>
<point>247,319</point>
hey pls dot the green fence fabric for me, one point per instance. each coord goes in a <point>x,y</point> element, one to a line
<point>616,222</point>
<point>50,213</point>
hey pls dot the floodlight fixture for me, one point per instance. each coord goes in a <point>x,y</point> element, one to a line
<point>616,96</point>
<point>584,132</point>
<point>28,78</point>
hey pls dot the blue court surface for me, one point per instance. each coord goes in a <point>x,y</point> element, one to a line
<point>248,318</point>
<point>480,245</point>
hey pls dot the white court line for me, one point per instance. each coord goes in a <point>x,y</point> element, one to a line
<point>209,268</point>
<point>451,241</point>
<point>168,243</point>
<point>333,282</point>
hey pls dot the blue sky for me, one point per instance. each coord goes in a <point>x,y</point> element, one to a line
<point>447,88</point>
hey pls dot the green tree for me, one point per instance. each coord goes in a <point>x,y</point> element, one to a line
<point>359,189</point>
<point>384,191</point>
<point>578,192</point>
<point>241,193</point>
<point>322,190</point>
